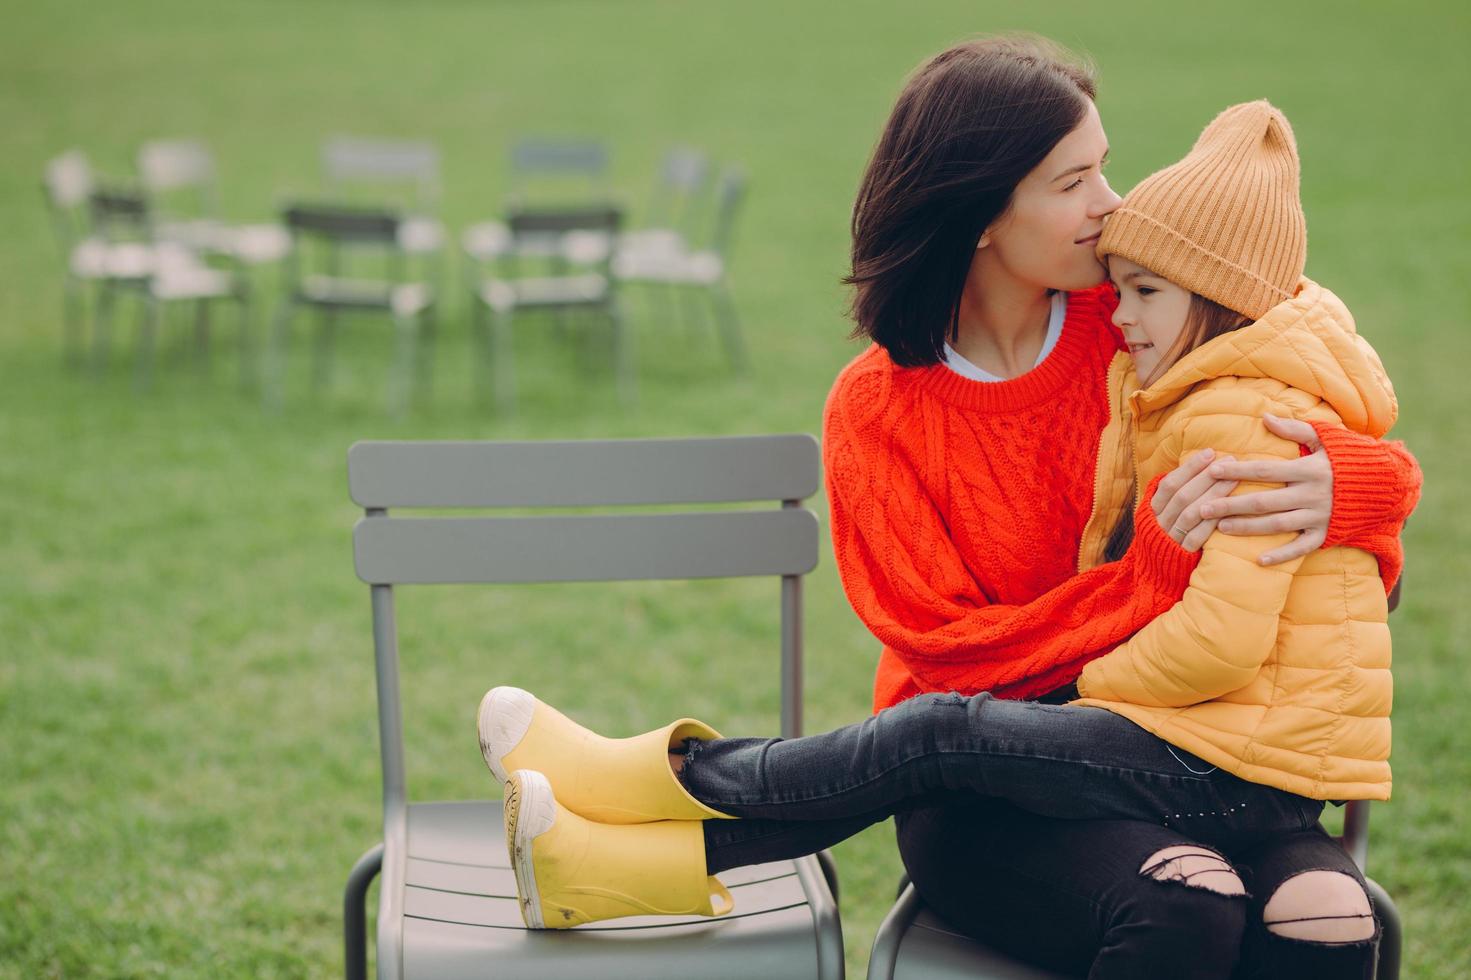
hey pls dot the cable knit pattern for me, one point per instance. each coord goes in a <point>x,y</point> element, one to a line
<point>958,507</point>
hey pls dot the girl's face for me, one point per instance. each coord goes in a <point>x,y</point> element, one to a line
<point>1152,314</point>
<point>1046,235</point>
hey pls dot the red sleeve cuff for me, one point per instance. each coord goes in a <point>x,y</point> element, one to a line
<point>1159,561</point>
<point>1376,485</point>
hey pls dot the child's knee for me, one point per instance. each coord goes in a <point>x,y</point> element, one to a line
<point>1320,907</point>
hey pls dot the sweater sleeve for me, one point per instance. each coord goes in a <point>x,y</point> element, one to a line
<point>1215,639</point>
<point>1376,484</point>
<point>908,583</point>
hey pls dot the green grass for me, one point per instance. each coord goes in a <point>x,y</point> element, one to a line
<point>187,723</point>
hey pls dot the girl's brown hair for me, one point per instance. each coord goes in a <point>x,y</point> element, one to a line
<point>968,126</point>
<point>1205,321</point>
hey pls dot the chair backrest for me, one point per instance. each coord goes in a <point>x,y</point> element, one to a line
<point>68,180</point>
<point>119,215</point>
<point>683,174</point>
<point>730,193</point>
<point>67,183</point>
<point>557,170</point>
<point>323,234</point>
<point>165,165</point>
<point>603,546</point>
<point>384,166</point>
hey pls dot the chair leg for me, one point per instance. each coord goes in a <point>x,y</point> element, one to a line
<point>201,332</point>
<point>730,327</point>
<point>275,361</point>
<point>355,913</point>
<point>1391,938</point>
<point>102,332</point>
<point>147,327</point>
<point>622,353</point>
<point>428,341</point>
<point>322,350</point>
<point>400,388</point>
<point>246,339</point>
<point>72,319</point>
<point>503,371</point>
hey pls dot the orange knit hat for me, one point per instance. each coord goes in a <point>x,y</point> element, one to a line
<point>1225,222</point>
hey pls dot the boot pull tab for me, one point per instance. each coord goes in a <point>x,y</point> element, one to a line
<point>718,891</point>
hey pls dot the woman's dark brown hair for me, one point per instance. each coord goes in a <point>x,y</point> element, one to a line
<point>1205,321</point>
<point>968,126</point>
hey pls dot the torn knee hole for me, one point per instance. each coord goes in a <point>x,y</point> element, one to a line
<point>1320,907</point>
<point>1194,867</point>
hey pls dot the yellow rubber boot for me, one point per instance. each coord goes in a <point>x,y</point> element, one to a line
<point>609,780</point>
<point>570,871</point>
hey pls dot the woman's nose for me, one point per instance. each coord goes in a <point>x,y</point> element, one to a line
<point>1108,202</point>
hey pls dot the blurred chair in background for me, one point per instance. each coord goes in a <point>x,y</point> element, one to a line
<point>703,267</point>
<point>396,175</point>
<point>180,179</point>
<point>546,174</point>
<point>316,276</point>
<point>160,273</point>
<point>579,279</point>
<point>68,183</point>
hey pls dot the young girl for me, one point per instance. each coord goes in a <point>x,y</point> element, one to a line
<point>1263,691</point>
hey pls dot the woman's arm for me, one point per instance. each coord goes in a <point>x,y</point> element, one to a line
<point>1346,489</point>
<point>1215,639</point>
<point>908,583</point>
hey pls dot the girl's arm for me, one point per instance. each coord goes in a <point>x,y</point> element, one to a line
<point>908,583</point>
<point>1371,488</point>
<point>1215,639</point>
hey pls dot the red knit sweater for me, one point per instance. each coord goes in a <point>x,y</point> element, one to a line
<point>958,507</point>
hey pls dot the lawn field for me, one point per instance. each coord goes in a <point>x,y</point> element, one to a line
<point>188,736</point>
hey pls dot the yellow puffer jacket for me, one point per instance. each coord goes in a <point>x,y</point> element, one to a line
<point>1279,675</point>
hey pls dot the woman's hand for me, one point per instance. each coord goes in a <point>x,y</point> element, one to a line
<point>1181,496</point>
<point>1304,503</point>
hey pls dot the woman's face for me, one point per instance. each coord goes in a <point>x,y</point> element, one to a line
<point>1046,236</point>
<point>1152,312</point>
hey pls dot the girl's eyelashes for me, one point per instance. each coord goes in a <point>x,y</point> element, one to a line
<point>1145,290</point>
<point>1074,184</point>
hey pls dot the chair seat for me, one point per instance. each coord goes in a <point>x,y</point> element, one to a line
<point>488,240</point>
<point>94,258</point>
<point>504,295</point>
<point>418,235</point>
<point>179,275</point>
<point>934,950</point>
<point>252,244</point>
<point>668,266</point>
<point>462,919</point>
<point>403,299</point>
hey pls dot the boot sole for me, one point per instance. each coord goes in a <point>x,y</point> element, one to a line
<point>530,810</point>
<point>504,717</point>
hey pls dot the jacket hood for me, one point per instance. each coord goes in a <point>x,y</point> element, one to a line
<point>1308,342</point>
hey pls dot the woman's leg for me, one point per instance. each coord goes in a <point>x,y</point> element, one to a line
<point>1309,915</point>
<point>1102,899</point>
<point>1065,762</point>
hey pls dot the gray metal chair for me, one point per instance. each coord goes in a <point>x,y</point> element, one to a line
<point>580,280</point>
<point>704,268</point>
<point>160,273</point>
<point>447,902</point>
<point>392,174</point>
<point>913,943</point>
<point>546,174</point>
<point>68,183</point>
<point>328,238</point>
<point>180,179</point>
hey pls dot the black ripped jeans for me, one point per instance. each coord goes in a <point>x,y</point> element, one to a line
<point>1079,768</point>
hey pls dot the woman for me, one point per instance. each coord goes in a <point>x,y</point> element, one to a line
<point>975,467</point>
